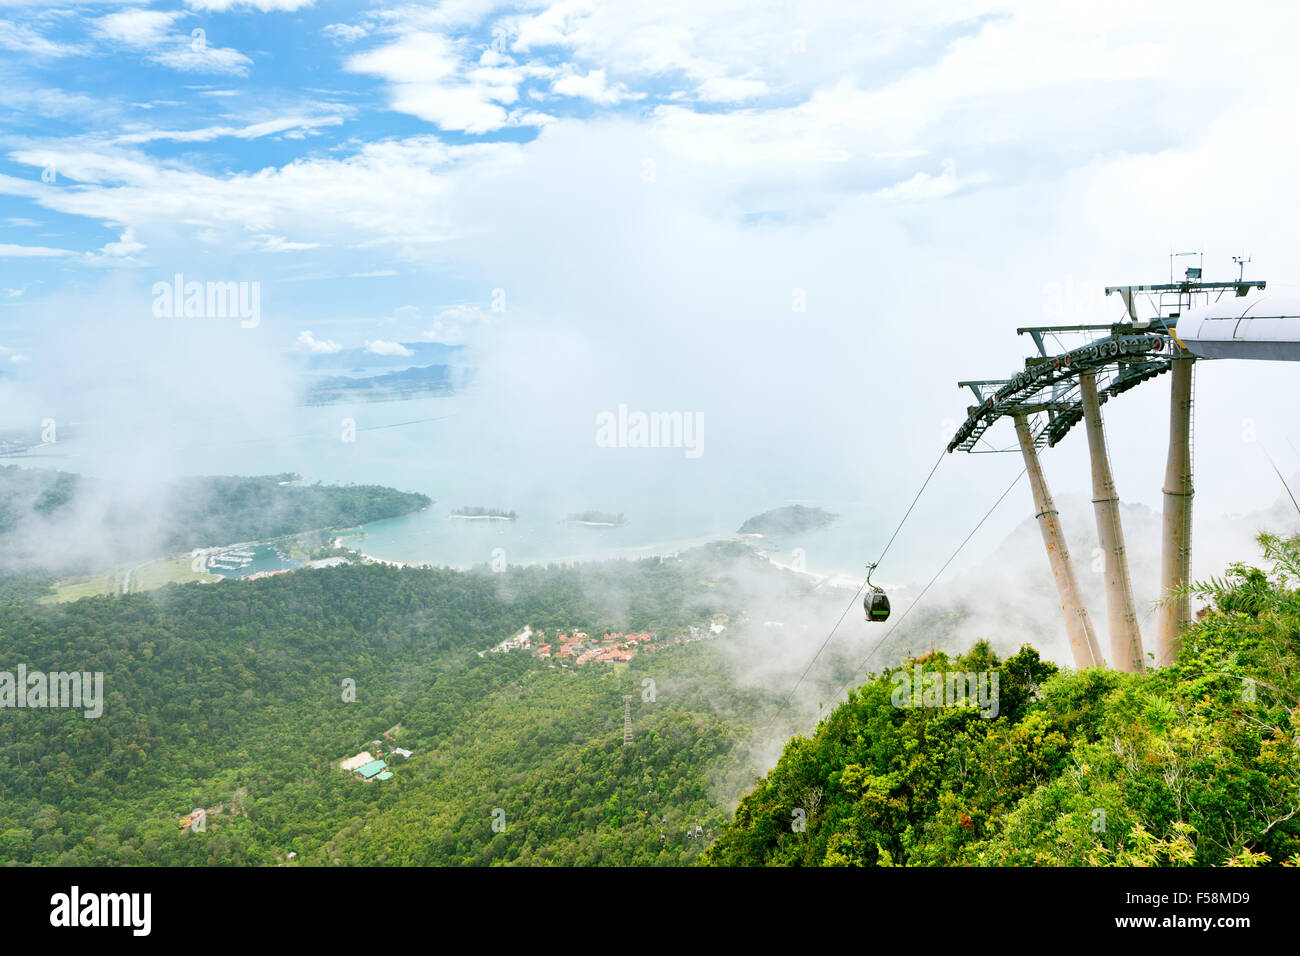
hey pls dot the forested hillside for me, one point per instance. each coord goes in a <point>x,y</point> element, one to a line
<point>208,511</point>
<point>230,696</point>
<point>1197,763</point>
<point>234,697</point>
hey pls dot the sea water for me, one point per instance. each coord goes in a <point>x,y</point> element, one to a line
<point>455,452</point>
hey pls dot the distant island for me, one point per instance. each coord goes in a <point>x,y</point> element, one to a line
<point>792,519</point>
<point>597,519</point>
<point>478,511</point>
<point>413,382</point>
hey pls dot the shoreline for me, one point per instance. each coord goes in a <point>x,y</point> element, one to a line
<point>371,559</point>
<point>661,549</point>
<point>832,579</point>
<point>836,580</point>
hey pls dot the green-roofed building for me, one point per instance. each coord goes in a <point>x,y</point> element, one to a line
<point>372,769</point>
<point>385,775</point>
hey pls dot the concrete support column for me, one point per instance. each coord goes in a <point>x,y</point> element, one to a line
<point>1121,611</point>
<point>1176,550</point>
<point>1078,626</point>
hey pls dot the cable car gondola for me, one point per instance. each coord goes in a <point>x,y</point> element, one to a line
<point>876,601</point>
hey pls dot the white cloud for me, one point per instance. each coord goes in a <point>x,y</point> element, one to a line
<point>46,103</point>
<point>415,58</point>
<point>203,59</point>
<point>723,89</point>
<point>150,31</point>
<point>592,87</point>
<point>271,127</point>
<point>345,32</point>
<point>807,155</point>
<point>556,25</point>
<point>381,347</point>
<point>923,186</point>
<point>138,27</point>
<point>23,39</point>
<point>832,179</point>
<point>429,78</point>
<point>455,324</point>
<point>266,6</point>
<point>32,252</point>
<point>125,246</point>
<point>310,343</point>
<point>396,193</point>
<point>281,244</point>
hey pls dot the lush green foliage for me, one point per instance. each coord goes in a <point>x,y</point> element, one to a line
<point>790,519</point>
<point>230,695</point>
<point>24,491</point>
<point>546,752</point>
<point>213,511</point>
<point>482,511</point>
<point>1197,763</point>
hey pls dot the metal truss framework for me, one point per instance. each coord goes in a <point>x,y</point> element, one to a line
<point>1055,392</point>
<point>1122,355</point>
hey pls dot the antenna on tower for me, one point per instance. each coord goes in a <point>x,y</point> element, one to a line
<point>1241,266</point>
<point>1193,273</point>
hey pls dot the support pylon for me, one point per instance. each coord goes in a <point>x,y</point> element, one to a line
<point>627,720</point>
<point>1121,611</point>
<point>1078,626</point>
<point>1176,549</point>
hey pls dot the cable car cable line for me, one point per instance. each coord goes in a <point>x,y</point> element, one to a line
<point>943,454</point>
<point>854,600</point>
<point>917,600</point>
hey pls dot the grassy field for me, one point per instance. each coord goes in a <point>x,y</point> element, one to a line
<point>143,577</point>
<point>159,572</point>
<point>76,588</point>
<point>155,574</point>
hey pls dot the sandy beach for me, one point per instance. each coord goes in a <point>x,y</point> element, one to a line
<point>833,580</point>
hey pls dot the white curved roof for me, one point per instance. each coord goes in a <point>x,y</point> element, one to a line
<point>1258,327</point>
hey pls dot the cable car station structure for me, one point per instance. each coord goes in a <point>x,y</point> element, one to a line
<point>1055,392</point>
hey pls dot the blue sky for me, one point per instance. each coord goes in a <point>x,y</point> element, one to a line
<point>642,189</point>
<point>152,137</point>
